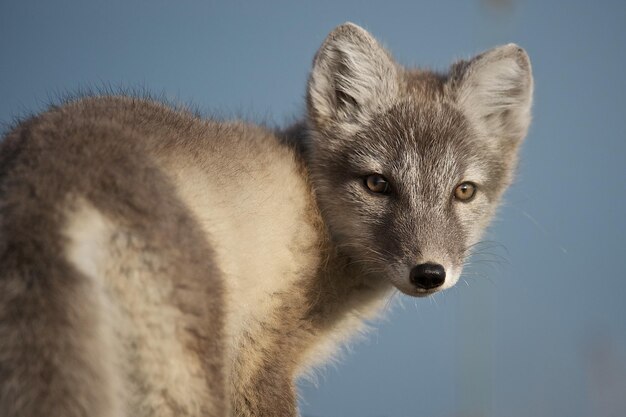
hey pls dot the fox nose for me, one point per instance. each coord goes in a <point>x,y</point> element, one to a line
<point>428,276</point>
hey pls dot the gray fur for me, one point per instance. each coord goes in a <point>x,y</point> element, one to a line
<point>157,264</point>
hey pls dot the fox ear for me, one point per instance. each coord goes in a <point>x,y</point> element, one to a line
<point>495,89</point>
<point>353,77</point>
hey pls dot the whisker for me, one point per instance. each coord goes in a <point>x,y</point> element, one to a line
<point>542,229</point>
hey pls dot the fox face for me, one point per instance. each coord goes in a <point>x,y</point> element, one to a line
<point>409,166</point>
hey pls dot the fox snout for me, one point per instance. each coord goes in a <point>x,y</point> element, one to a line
<point>428,276</point>
<point>425,277</point>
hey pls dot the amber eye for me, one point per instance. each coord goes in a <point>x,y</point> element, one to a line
<point>377,184</point>
<point>465,191</point>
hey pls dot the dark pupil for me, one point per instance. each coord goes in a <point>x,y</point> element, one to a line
<point>378,184</point>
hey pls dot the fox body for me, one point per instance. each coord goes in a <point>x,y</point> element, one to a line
<point>153,263</point>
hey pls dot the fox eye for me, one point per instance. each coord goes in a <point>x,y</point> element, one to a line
<point>465,191</point>
<point>377,184</point>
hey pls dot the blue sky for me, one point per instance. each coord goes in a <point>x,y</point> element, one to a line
<point>540,329</point>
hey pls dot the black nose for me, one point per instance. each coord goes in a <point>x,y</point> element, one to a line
<point>428,276</point>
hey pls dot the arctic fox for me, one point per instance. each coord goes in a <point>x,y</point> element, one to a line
<point>153,263</point>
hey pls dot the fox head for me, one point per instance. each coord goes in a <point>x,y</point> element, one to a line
<point>408,165</point>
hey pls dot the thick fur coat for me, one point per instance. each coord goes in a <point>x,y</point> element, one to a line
<point>153,263</point>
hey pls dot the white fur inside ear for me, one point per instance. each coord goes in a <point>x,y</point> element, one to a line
<point>496,89</point>
<point>352,78</point>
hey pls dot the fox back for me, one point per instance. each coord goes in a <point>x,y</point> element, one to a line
<point>154,263</point>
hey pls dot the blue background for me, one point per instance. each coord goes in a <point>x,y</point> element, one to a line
<point>540,327</point>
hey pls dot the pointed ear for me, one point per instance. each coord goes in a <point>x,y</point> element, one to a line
<point>495,89</point>
<point>353,77</point>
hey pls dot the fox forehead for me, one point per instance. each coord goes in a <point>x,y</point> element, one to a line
<point>410,135</point>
